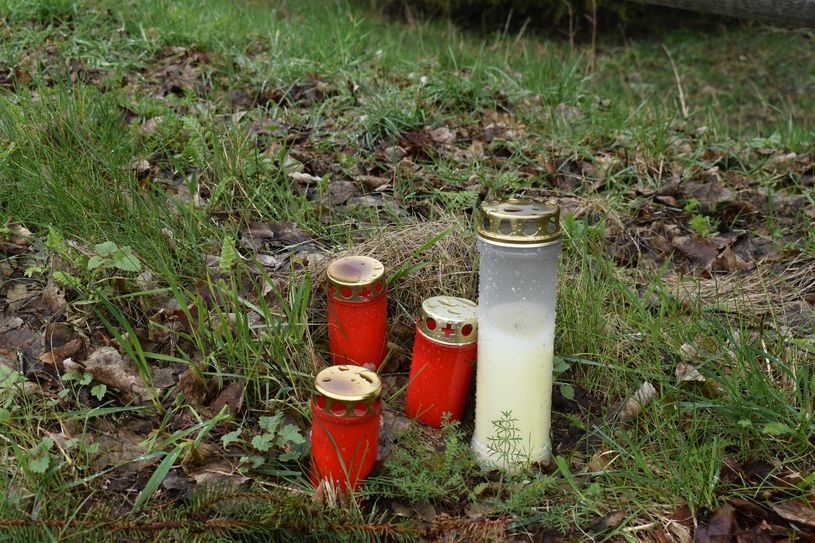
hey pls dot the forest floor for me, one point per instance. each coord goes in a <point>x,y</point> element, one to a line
<point>175,176</point>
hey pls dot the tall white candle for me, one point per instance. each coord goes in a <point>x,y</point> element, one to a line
<point>515,353</point>
<point>518,244</point>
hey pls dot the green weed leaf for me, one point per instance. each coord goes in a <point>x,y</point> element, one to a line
<point>105,249</point>
<point>567,391</point>
<point>31,270</point>
<point>55,242</point>
<point>229,255</point>
<point>270,424</point>
<point>231,437</point>
<point>9,378</point>
<point>95,261</point>
<point>99,391</point>
<point>776,429</point>
<point>39,458</point>
<point>290,434</point>
<point>67,280</point>
<point>125,260</point>
<point>560,365</point>
<point>263,442</point>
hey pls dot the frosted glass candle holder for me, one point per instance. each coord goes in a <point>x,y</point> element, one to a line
<point>519,246</point>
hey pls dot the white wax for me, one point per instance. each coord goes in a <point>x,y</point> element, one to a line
<point>514,373</point>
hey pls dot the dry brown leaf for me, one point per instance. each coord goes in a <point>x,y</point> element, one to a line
<point>632,407</point>
<point>796,511</point>
<point>218,472</point>
<point>607,522</point>
<point>110,368</point>
<point>230,397</point>
<point>371,182</point>
<point>339,192</point>
<point>687,372</point>
<point>285,233</point>
<point>305,179</point>
<point>719,529</point>
<point>443,135</point>
<point>700,252</point>
<point>17,241</point>
<point>122,446</point>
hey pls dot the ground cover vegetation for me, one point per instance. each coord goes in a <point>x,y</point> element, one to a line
<point>175,176</point>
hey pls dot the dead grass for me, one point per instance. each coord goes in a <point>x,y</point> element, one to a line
<point>766,292</point>
<point>421,260</point>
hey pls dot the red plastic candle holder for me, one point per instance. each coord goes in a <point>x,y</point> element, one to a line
<point>444,354</point>
<point>346,411</point>
<point>357,312</point>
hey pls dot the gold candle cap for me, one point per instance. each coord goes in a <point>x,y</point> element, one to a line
<point>523,221</point>
<point>449,320</point>
<point>356,278</point>
<point>348,385</point>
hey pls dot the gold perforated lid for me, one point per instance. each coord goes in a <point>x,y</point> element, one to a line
<point>356,278</point>
<point>523,221</point>
<point>348,384</point>
<point>449,320</point>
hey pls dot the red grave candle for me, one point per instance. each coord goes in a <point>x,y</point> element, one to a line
<point>357,311</point>
<point>346,411</point>
<point>444,354</point>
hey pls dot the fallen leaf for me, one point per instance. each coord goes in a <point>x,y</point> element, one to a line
<point>16,241</point>
<point>305,179</point>
<point>371,182</point>
<point>711,195</point>
<point>110,368</point>
<point>687,372</point>
<point>607,522</point>
<point>796,511</point>
<point>339,192</point>
<point>700,252</point>
<point>231,397</point>
<point>218,472</point>
<point>443,135</point>
<point>284,233</point>
<point>632,407</point>
<point>719,529</point>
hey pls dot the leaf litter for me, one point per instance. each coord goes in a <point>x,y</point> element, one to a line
<point>706,225</point>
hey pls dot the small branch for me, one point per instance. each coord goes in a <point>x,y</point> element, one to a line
<point>593,36</point>
<point>682,103</point>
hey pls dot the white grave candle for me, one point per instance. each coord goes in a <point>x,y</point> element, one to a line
<point>519,243</point>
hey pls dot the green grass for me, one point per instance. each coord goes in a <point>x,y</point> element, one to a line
<point>220,151</point>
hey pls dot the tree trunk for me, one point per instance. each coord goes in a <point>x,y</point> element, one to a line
<point>790,12</point>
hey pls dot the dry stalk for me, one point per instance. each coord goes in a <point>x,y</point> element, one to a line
<point>764,292</point>
<point>682,103</point>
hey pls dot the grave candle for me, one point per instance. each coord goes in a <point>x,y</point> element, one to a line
<point>346,413</point>
<point>357,311</point>
<point>443,359</point>
<point>519,245</point>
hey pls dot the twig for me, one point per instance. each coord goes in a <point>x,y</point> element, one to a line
<point>593,36</point>
<point>522,31</point>
<point>682,103</point>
